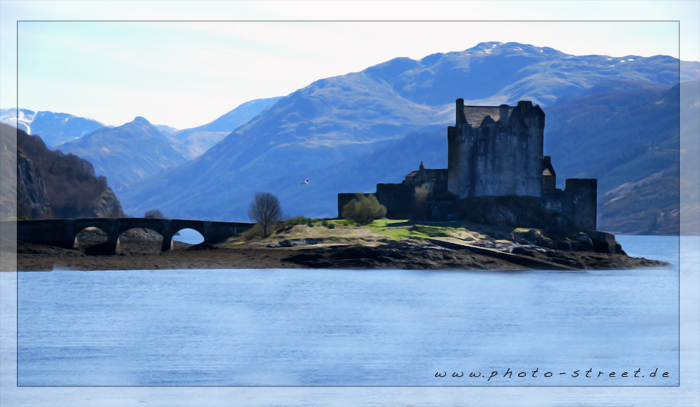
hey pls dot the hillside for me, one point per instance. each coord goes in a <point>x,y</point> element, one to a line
<point>616,136</point>
<point>23,193</point>
<point>127,153</point>
<point>50,183</point>
<point>650,204</point>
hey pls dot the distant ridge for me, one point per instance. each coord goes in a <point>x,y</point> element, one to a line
<point>127,153</point>
<point>195,141</point>
<point>53,128</point>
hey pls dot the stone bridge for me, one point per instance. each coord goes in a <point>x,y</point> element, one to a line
<point>64,232</point>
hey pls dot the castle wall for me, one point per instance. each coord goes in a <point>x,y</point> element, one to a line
<point>533,116</point>
<point>454,160</point>
<point>435,180</point>
<point>397,198</point>
<point>549,176</point>
<point>578,201</point>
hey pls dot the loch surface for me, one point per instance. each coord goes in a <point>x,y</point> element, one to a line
<point>352,327</point>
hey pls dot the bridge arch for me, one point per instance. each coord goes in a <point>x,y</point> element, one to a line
<point>177,225</point>
<point>137,236</point>
<point>108,225</point>
<point>189,236</point>
<point>88,229</point>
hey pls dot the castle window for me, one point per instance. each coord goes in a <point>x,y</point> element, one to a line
<point>482,147</point>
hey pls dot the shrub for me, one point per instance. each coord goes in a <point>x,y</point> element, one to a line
<point>154,213</point>
<point>252,233</point>
<point>291,222</point>
<point>364,209</point>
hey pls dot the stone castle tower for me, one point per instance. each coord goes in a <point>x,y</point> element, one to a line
<point>496,151</point>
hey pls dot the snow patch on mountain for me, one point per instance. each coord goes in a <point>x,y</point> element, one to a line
<point>53,128</point>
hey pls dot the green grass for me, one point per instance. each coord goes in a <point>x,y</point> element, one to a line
<point>392,228</point>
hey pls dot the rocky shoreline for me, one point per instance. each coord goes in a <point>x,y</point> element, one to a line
<point>140,250</point>
<point>408,255</point>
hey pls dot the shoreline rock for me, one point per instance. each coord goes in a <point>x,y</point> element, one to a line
<point>407,255</point>
<point>140,250</point>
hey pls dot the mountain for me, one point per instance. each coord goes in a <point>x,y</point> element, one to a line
<point>25,187</point>
<point>629,141</point>
<point>58,128</point>
<point>20,119</point>
<point>646,201</point>
<point>138,149</point>
<point>127,153</point>
<point>167,130</point>
<point>53,128</point>
<point>616,136</point>
<point>316,128</point>
<point>231,120</point>
<point>52,184</point>
<point>194,142</point>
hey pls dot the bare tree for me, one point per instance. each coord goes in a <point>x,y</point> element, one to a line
<point>265,210</point>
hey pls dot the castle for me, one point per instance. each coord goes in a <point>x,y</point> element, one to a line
<point>496,152</point>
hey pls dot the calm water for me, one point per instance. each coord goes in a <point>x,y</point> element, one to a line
<point>190,236</point>
<point>341,327</point>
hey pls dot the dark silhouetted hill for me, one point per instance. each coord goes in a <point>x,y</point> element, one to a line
<point>69,181</point>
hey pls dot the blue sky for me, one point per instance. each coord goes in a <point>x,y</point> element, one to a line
<point>188,74</point>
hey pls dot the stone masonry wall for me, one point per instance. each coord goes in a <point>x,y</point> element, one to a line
<point>497,158</point>
<point>578,201</point>
<point>397,198</point>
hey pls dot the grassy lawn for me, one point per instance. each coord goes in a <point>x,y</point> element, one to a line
<point>398,229</point>
<point>342,231</point>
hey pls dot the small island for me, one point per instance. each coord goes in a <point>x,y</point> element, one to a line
<point>496,207</point>
<point>340,244</point>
